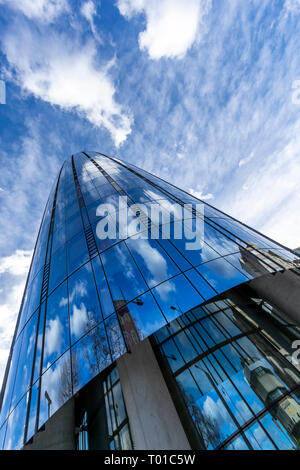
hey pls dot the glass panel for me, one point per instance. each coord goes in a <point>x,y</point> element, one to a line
<point>201,285</point>
<point>58,269</point>
<point>38,352</point>
<point>32,411</point>
<point>89,357</point>
<point>73,225</point>
<point>115,337</point>
<point>15,427</point>
<point>139,318</point>
<point>57,325</point>
<point>25,361</point>
<point>123,277</point>
<point>107,305</point>
<point>77,252</point>
<point>11,379</point>
<point>155,265</point>
<point>56,387</point>
<point>35,293</point>
<point>176,297</point>
<point>84,305</point>
<point>258,438</point>
<point>221,275</point>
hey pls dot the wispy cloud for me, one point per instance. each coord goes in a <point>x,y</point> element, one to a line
<point>246,160</point>
<point>17,263</point>
<point>65,72</point>
<point>89,11</point>
<point>200,195</point>
<point>172,26</point>
<point>13,273</point>
<point>43,10</point>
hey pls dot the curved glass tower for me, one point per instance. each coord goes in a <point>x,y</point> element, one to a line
<point>145,307</point>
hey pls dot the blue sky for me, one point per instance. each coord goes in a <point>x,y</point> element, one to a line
<point>204,93</point>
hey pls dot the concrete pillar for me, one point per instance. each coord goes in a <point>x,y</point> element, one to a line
<point>153,419</point>
<point>59,431</point>
<point>282,290</point>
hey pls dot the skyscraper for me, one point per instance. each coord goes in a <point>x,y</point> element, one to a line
<point>151,320</point>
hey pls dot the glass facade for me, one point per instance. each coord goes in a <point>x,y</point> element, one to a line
<point>89,299</point>
<point>232,371</point>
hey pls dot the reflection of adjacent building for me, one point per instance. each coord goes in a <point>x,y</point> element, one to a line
<point>269,388</point>
<point>256,261</point>
<point>275,278</point>
<point>127,323</point>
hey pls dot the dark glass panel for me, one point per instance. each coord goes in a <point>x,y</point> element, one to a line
<point>39,343</point>
<point>73,225</point>
<point>171,352</point>
<point>77,252</point>
<point>59,238</point>
<point>103,291</point>
<point>35,294</point>
<point>58,269</point>
<point>201,285</point>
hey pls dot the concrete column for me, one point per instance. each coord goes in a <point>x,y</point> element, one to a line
<point>153,419</point>
<point>59,431</point>
<point>282,290</point>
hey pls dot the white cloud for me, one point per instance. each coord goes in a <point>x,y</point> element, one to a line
<point>54,336</point>
<point>172,26</point>
<point>246,160</point>
<point>17,264</point>
<point>43,10</point>
<point>65,73</point>
<point>9,308</point>
<point>88,11</point>
<point>271,202</point>
<point>79,319</point>
<point>200,195</point>
<point>293,6</point>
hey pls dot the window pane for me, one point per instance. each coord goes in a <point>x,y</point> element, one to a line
<point>176,296</point>
<point>152,260</point>
<point>56,387</point>
<point>89,357</point>
<point>57,325</point>
<point>84,304</point>
<point>58,270</point>
<point>77,252</point>
<point>122,274</point>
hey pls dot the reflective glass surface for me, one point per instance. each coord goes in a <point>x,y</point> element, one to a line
<point>89,300</point>
<point>240,390</point>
